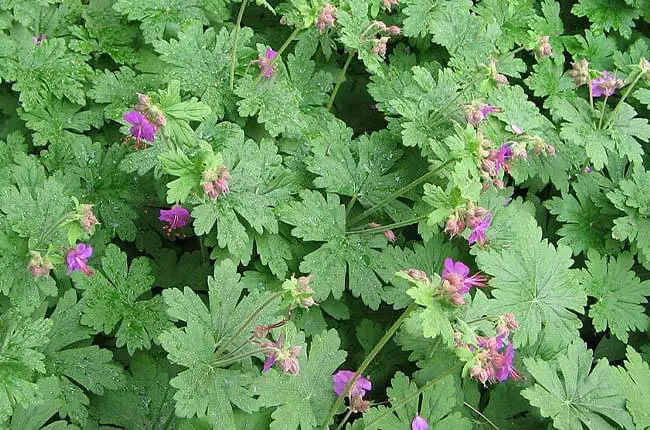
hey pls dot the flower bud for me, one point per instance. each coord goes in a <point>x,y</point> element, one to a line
<point>381,26</point>
<point>394,30</point>
<point>418,275</point>
<point>38,266</point>
<point>580,72</point>
<point>388,4</point>
<point>390,235</point>
<point>380,46</point>
<point>544,48</point>
<point>454,226</point>
<point>359,405</point>
<point>550,149</point>
<point>86,218</point>
<point>498,184</point>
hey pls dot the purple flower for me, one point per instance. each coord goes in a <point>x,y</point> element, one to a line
<point>477,112</point>
<point>265,63</point>
<point>419,423</point>
<point>606,85</point>
<point>479,231</point>
<point>457,275</point>
<point>341,378</point>
<point>141,128</point>
<point>588,169</point>
<point>37,40</point>
<point>176,217</point>
<point>77,259</point>
<point>503,363</point>
<point>502,156</point>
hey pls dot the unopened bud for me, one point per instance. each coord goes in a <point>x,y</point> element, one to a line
<point>388,4</point>
<point>394,30</point>
<point>38,266</point>
<point>544,48</point>
<point>88,220</point>
<point>418,275</point>
<point>580,72</point>
<point>390,235</point>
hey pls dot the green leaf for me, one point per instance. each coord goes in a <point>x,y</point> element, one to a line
<point>580,396</point>
<point>303,401</point>
<point>47,70</point>
<point>56,122</point>
<point>438,405</point>
<point>606,15</point>
<point>549,81</point>
<point>320,220</point>
<point>588,217</point>
<point>160,15</point>
<point>619,294</point>
<point>533,281</point>
<point>634,379</point>
<point>204,389</point>
<point>146,401</point>
<point>111,301</point>
<point>21,343</point>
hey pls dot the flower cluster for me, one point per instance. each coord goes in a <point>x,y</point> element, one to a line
<point>477,112</point>
<point>146,120</point>
<point>544,48</point>
<point>285,356</point>
<point>299,292</point>
<point>265,63</point>
<point>39,266</point>
<point>326,17</point>
<point>87,218</point>
<point>475,218</point>
<point>355,393</point>
<point>215,182</point>
<point>381,44</point>
<point>388,4</point>
<point>493,357</point>
<point>456,281</point>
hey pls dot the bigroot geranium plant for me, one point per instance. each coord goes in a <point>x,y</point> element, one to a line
<point>324,214</point>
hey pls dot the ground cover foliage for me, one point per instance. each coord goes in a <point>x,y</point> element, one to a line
<point>345,214</point>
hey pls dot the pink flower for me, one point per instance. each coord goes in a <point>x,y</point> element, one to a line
<point>77,259</point>
<point>606,85</point>
<point>419,423</point>
<point>265,63</point>
<point>359,389</point>
<point>479,232</point>
<point>285,357</point>
<point>506,324</point>
<point>454,226</point>
<point>176,217</point>
<point>141,128</point>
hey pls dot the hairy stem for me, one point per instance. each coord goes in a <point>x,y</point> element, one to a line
<point>233,53</point>
<point>612,117</point>
<point>477,412</point>
<point>401,191</point>
<point>389,226</point>
<point>602,113</point>
<point>340,79</point>
<point>249,321</point>
<point>366,362</point>
<point>344,420</point>
<point>284,46</point>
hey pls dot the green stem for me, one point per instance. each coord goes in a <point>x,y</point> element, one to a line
<point>340,79</point>
<point>477,412</point>
<point>284,46</point>
<point>366,362</point>
<point>591,93</point>
<point>407,399</point>
<point>233,54</point>
<point>204,255</point>
<point>233,359</point>
<point>250,320</point>
<point>58,222</point>
<point>353,200</point>
<point>344,420</point>
<point>612,117</point>
<point>169,420</point>
<point>389,226</point>
<point>401,191</point>
<point>602,113</point>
